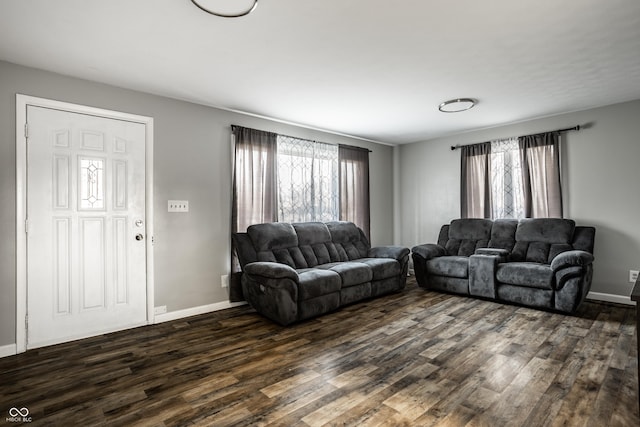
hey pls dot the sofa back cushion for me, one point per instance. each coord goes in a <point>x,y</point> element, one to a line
<point>277,242</point>
<point>541,239</point>
<point>466,235</point>
<point>503,234</point>
<point>314,240</point>
<point>302,245</point>
<point>349,240</point>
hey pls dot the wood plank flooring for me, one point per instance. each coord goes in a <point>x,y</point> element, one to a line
<point>416,358</point>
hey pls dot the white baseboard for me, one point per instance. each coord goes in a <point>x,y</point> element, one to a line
<point>194,311</point>
<point>8,350</point>
<point>619,299</point>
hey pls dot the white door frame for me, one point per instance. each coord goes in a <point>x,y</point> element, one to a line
<point>22,101</point>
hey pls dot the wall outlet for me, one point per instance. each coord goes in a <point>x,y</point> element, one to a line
<point>633,275</point>
<point>224,280</point>
<point>178,206</point>
<point>160,309</point>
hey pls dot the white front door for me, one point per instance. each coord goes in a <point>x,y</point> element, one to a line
<point>86,252</point>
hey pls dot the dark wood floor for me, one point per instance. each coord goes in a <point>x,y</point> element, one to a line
<point>412,359</point>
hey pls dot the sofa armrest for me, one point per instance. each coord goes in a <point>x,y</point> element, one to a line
<point>271,270</point>
<point>502,253</point>
<point>573,258</point>
<point>482,274</point>
<point>398,253</point>
<point>429,251</point>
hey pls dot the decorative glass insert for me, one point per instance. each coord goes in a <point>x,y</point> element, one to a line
<point>91,184</point>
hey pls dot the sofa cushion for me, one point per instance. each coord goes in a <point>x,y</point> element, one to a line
<point>351,273</point>
<point>277,242</point>
<point>548,230</point>
<point>311,233</point>
<point>274,235</point>
<point>316,282</point>
<point>528,274</point>
<point>503,234</point>
<point>468,234</point>
<point>541,239</point>
<point>349,241</point>
<point>315,243</point>
<point>382,268</point>
<point>290,256</point>
<point>451,266</point>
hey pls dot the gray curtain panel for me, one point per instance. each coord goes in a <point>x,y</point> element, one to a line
<point>475,194</point>
<point>540,155</point>
<point>354,187</point>
<point>254,189</point>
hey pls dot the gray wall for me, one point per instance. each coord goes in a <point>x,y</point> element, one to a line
<point>192,162</point>
<point>601,173</point>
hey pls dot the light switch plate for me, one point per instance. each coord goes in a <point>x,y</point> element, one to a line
<point>178,206</point>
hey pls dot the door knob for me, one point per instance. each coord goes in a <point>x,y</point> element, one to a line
<point>139,237</point>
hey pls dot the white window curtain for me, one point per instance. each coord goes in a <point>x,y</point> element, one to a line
<point>507,191</point>
<point>308,180</point>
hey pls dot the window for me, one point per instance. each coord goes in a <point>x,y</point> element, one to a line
<point>287,179</point>
<point>512,178</point>
<point>505,176</point>
<point>308,180</point>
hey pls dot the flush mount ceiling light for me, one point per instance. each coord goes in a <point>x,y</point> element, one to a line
<point>457,105</point>
<point>225,15</point>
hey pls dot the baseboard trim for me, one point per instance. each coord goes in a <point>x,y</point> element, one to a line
<point>194,311</point>
<point>619,299</point>
<point>8,350</point>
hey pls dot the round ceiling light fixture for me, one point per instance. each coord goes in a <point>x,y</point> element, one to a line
<point>457,105</point>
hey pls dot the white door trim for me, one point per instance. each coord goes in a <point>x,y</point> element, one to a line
<point>22,101</point>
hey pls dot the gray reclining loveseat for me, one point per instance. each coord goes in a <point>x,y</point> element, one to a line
<point>292,272</point>
<point>542,262</point>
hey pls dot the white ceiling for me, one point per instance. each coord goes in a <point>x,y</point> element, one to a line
<point>375,69</point>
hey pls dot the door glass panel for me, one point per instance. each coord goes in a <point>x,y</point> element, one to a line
<point>91,184</point>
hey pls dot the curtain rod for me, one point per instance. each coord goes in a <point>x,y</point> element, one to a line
<point>306,139</point>
<point>577,127</point>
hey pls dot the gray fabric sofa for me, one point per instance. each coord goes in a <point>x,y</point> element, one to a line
<point>542,263</point>
<point>292,272</point>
